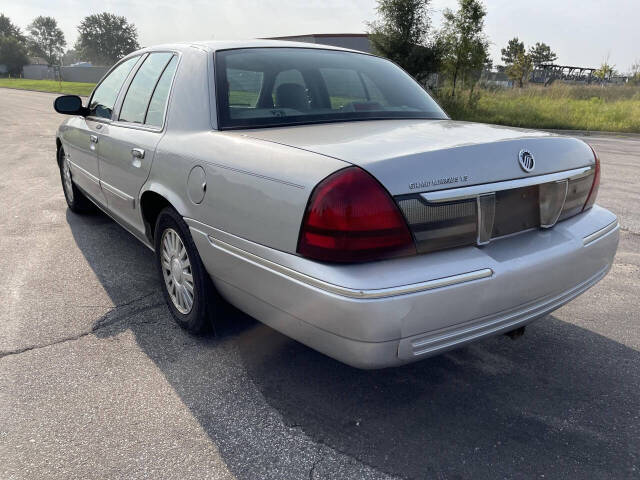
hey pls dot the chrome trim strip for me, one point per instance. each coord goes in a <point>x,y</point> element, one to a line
<point>462,193</point>
<point>143,239</point>
<point>599,233</point>
<point>90,176</point>
<point>344,291</point>
<point>118,193</point>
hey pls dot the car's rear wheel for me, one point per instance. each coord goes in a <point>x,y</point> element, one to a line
<point>186,285</point>
<point>76,200</point>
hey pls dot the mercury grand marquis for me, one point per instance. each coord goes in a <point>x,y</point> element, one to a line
<point>325,193</point>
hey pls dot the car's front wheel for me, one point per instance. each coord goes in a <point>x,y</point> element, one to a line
<point>187,287</point>
<point>76,200</point>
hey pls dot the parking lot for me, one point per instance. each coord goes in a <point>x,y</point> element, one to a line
<point>96,380</point>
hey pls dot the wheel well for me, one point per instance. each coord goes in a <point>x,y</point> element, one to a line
<point>151,204</point>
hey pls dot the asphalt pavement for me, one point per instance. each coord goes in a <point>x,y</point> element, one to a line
<point>96,380</point>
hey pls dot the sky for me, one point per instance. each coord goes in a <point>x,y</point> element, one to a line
<point>581,32</point>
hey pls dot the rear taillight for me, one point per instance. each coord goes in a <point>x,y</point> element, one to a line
<point>593,193</point>
<point>351,218</point>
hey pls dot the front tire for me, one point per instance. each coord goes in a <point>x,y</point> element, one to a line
<point>186,285</point>
<point>76,200</point>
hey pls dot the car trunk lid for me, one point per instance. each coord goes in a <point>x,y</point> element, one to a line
<point>459,183</point>
<point>409,156</point>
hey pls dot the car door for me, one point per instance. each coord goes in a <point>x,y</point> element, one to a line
<point>82,135</point>
<point>127,145</point>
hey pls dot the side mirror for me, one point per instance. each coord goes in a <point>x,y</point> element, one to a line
<point>70,105</point>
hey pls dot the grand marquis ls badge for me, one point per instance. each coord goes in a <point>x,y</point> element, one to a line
<point>526,160</point>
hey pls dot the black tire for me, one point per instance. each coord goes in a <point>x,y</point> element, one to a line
<point>206,301</point>
<point>77,201</point>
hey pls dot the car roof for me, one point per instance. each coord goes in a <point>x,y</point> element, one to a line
<point>215,45</point>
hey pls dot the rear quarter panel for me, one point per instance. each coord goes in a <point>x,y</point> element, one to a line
<point>256,190</point>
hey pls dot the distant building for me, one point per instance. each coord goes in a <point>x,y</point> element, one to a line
<point>353,41</point>
<point>37,61</point>
<point>495,79</point>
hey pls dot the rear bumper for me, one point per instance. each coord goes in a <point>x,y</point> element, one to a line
<point>393,312</point>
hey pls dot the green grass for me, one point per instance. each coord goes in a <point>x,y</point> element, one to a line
<point>570,107</point>
<point>611,108</point>
<point>71,88</point>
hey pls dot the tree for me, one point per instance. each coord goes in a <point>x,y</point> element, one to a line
<point>520,69</point>
<point>518,64</point>
<point>514,48</point>
<point>605,72</point>
<point>46,40</point>
<point>541,54</point>
<point>70,56</point>
<point>8,29</point>
<point>402,35</point>
<point>106,38</point>
<point>13,54</point>
<point>466,46</point>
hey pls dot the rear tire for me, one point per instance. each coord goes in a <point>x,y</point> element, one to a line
<point>77,201</point>
<point>187,287</point>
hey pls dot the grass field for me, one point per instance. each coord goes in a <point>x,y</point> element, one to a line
<point>71,88</point>
<point>571,107</point>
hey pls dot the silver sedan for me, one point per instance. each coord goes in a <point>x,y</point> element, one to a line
<point>325,193</point>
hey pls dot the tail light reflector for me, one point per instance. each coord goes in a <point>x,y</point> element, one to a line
<point>350,217</point>
<point>595,186</point>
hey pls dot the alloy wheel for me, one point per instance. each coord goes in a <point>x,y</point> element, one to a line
<point>176,270</point>
<point>66,175</point>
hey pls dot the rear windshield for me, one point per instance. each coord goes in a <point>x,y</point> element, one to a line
<point>283,86</point>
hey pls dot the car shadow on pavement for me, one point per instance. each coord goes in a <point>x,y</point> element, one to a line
<point>562,401</point>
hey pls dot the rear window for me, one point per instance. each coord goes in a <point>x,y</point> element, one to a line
<point>281,86</point>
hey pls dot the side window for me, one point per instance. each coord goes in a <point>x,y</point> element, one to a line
<point>141,88</point>
<point>104,97</point>
<point>155,112</point>
<point>244,87</point>
<point>344,86</point>
<point>374,92</point>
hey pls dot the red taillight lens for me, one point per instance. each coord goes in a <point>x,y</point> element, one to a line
<point>593,193</point>
<point>351,218</point>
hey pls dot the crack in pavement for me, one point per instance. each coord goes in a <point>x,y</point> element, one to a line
<point>626,230</point>
<point>107,320</point>
<point>318,459</point>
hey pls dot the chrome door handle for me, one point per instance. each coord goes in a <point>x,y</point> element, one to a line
<point>93,138</point>
<point>137,153</point>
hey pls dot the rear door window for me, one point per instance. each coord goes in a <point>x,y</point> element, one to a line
<point>244,87</point>
<point>136,101</point>
<point>158,103</point>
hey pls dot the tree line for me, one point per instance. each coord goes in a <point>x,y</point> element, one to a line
<point>459,51</point>
<point>103,38</point>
